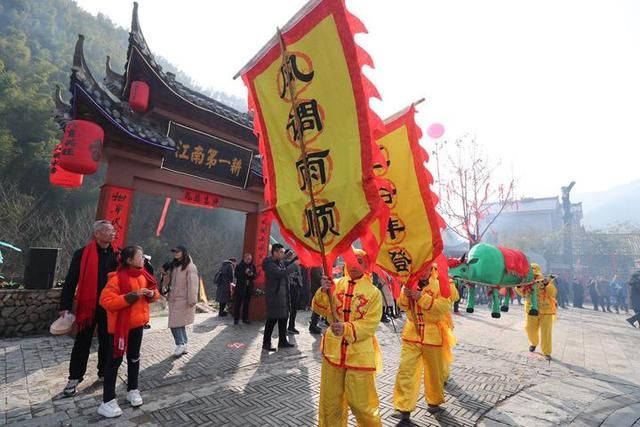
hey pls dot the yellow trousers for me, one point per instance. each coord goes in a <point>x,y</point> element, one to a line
<point>446,368</point>
<point>540,326</point>
<point>341,389</point>
<point>414,359</point>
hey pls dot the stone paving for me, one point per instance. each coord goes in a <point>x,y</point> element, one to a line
<point>226,380</point>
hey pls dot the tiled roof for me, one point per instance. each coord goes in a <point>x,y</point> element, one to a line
<point>109,105</point>
<point>138,43</point>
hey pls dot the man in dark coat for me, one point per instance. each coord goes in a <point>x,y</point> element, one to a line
<point>563,292</point>
<point>99,258</point>
<point>604,292</point>
<point>277,296</point>
<point>305,297</point>
<point>225,279</point>
<point>245,275</point>
<point>593,293</point>
<point>634,284</point>
<point>315,284</point>
<point>578,293</point>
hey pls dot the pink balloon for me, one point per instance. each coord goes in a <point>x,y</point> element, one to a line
<point>435,130</point>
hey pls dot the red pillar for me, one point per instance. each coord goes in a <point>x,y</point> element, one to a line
<point>257,230</point>
<point>115,205</point>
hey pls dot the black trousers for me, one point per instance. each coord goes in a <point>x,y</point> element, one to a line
<point>294,305</point>
<point>315,317</point>
<point>621,303</point>
<point>268,331</point>
<point>133,365</point>
<point>636,318</point>
<point>578,298</point>
<point>562,299</point>
<point>82,347</point>
<point>242,298</point>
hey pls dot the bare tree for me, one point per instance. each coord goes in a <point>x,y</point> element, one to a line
<point>26,223</point>
<point>210,247</point>
<point>471,199</point>
<point>71,233</point>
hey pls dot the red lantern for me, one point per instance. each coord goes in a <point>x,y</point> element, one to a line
<point>139,96</point>
<point>61,177</point>
<point>81,147</point>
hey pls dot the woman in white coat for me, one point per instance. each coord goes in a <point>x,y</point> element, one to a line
<point>183,296</point>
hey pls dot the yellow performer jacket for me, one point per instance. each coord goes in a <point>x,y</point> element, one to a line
<point>546,295</point>
<point>432,324</point>
<point>359,305</point>
<point>546,298</point>
<point>455,296</point>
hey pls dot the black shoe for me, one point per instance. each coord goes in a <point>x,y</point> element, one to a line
<point>402,415</point>
<point>236,321</point>
<point>385,319</point>
<point>293,331</point>
<point>548,357</point>
<point>435,409</point>
<point>532,348</point>
<point>315,330</point>
<point>147,326</point>
<point>268,348</point>
<point>223,314</point>
<point>246,322</point>
<point>285,345</point>
<point>630,322</point>
<point>70,389</point>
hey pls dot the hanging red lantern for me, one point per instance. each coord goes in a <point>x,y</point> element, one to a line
<point>139,96</point>
<point>81,147</point>
<point>61,177</point>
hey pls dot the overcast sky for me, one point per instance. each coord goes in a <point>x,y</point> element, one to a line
<point>550,87</point>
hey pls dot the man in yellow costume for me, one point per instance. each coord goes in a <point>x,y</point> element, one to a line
<point>350,352</point>
<point>540,328</point>
<point>427,342</point>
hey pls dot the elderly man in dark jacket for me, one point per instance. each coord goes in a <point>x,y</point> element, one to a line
<point>634,284</point>
<point>98,259</point>
<point>277,295</point>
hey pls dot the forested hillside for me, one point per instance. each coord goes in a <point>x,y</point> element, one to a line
<point>37,39</point>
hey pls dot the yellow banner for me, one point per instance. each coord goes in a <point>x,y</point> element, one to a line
<point>412,238</point>
<point>332,106</point>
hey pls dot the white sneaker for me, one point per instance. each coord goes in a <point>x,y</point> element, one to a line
<point>184,349</point>
<point>134,398</point>
<point>110,409</point>
<point>179,351</point>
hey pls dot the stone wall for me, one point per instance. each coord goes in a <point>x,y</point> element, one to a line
<point>27,312</point>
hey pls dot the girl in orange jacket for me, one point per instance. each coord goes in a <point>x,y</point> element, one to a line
<point>126,299</point>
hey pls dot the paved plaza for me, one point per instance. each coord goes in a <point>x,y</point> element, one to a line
<point>226,380</point>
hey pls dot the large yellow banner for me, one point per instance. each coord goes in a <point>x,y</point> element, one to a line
<point>412,240</point>
<point>330,99</point>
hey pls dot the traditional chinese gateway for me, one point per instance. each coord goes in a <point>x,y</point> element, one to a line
<point>165,139</point>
